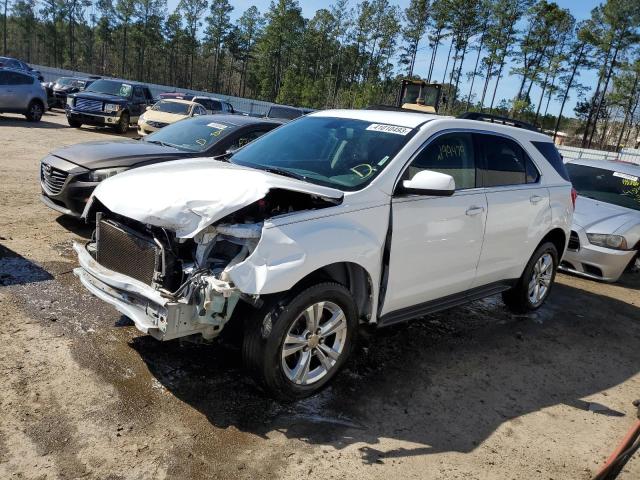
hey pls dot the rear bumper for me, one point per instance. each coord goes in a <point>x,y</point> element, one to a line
<point>598,263</point>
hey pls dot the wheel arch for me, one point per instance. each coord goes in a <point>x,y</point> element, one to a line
<point>352,276</point>
<point>558,237</point>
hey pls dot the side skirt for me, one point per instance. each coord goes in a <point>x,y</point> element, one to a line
<point>433,306</point>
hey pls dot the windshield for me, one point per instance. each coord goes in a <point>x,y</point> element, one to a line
<point>110,87</point>
<point>63,81</point>
<point>608,186</point>
<point>69,82</point>
<point>172,107</point>
<point>192,134</point>
<point>337,152</point>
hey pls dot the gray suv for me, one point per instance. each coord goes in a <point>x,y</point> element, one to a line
<point>21,93</point>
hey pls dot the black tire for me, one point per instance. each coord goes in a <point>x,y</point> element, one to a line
<point>123,124</point>
<point>518,298</point>
<point>266,329</point>
<point>35,110</point>
<point>74,123</point>
<point>634,264</point>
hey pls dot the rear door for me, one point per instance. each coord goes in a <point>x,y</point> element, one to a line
<point>436,241</point>
<point>20,91</point>
<point>518,214</point>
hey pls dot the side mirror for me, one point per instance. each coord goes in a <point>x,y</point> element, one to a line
<point>427,182</point>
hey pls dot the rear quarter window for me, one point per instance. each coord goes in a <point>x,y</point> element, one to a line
<point>551,153</point>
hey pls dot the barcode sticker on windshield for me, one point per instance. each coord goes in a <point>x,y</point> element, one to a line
<point>379,127</point>
<point>219,126</point>
<point>625,176</point>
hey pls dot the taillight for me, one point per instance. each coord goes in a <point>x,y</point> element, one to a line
<point>574,195</point>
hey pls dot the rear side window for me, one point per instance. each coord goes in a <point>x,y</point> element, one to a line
<point>551,153</point>
<point>452,154</point>
<point>15,78</point>
<point>504,162</point>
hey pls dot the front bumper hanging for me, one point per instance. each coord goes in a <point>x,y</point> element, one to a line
<point>160,316</point>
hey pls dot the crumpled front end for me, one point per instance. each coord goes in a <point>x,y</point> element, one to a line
<point>169,287</point>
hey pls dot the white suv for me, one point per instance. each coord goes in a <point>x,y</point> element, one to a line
<point>338,218</point>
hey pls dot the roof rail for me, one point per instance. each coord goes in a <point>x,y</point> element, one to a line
<point>487,117</point>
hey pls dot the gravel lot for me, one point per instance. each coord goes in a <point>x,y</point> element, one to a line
<point>473,393</point>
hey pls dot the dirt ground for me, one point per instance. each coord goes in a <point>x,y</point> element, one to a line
<point>473,393</point>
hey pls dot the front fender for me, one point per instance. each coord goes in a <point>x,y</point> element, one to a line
<point>288,253</point>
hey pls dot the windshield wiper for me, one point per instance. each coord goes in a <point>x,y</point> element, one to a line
<point>223,157</point>
<point>160,142</point>
<point>282,171</point>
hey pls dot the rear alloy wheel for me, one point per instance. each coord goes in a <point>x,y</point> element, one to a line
<point>536,281</point>
<point>294,347</point>
<point>34,111</point>
<point>123,124</point>
<point>540,281</point>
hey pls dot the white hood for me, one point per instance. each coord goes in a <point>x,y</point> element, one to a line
<point>601,217</point>
<point>186,196</point>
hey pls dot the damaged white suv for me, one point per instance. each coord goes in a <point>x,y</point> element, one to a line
<point>338,218</point>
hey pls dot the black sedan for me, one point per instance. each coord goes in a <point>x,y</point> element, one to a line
<point>69,175</point>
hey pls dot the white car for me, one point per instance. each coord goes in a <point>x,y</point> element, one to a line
<point>605,237</point>
<point>337,218</point>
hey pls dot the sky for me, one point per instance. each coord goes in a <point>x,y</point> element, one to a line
<point>580,9</point>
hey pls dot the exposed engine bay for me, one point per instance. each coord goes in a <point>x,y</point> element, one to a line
<point>181,284</point>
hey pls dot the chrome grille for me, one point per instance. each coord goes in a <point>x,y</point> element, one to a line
<point>52,178</point>
<point>574,241</point>
<point>126,251</point>
<point>88,105</point>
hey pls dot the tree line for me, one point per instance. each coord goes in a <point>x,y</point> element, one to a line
<point>352,54</point>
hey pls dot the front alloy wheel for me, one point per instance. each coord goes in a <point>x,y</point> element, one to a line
<point>295,344</point>
<point>314,343</point>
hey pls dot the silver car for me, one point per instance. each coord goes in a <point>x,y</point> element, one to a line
<point>605,236</point>
<point>22,93</point>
